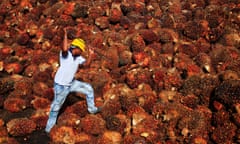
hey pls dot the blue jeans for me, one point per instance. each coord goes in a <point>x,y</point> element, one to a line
<point>60,95</point>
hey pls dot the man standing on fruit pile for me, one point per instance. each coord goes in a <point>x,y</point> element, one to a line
<point>64,82</point>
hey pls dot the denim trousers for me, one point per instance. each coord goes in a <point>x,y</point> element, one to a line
<point>60,94</point>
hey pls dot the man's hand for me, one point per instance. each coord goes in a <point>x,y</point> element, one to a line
<point>65,44</point>
<point>90,54</point>
<point>91,51</point>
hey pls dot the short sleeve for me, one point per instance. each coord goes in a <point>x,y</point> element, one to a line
<point>81,60</point>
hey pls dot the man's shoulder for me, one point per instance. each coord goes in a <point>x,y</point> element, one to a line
<point>64,54</point>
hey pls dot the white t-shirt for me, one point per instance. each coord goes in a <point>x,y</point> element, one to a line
<point>68,67</point>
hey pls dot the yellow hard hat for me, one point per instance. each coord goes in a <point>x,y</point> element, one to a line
<point>79,43</point>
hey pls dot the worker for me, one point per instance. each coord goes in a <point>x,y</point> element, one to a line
<point>64,82</point>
